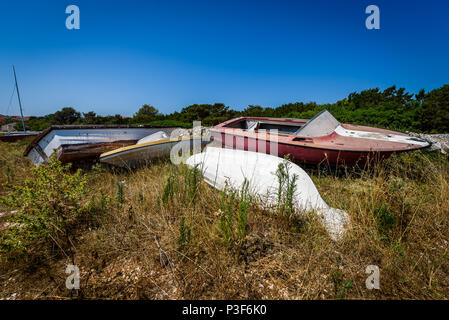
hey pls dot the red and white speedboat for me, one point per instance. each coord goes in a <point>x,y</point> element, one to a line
<point>321,139</point>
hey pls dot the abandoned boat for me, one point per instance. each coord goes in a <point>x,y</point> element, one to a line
<point>227,169</point>
<point>73,143</point>
<point>321,139</point>
<point>155,146</point>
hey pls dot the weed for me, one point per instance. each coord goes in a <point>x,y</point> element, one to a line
<point>386,221</point>
<point>10,175</point>
<point>191,181</point>
<point>242,216</point>
<point>140,197</point>
<point>341,286</point>
<point>120,193</point>
<point>227,214</point>
<point>287,188</point>
<point>104,200</point>
<point>226,217</point>
<point>169,189</point>
<point>184,235</point>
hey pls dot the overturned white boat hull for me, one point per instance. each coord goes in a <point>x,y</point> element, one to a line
<point>228,168</point>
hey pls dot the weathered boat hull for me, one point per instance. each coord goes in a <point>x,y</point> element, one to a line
<point>301,154</point>
<point>80,143</point>
<point>140,154</point>
<point>340,143</point>
<point>228,170</point>
<point>88,151</point>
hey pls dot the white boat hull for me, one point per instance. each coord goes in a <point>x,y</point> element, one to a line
<point>228,168</point>
<point>138,154</point>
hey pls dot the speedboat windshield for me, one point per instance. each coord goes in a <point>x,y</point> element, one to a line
<point>320,125</point>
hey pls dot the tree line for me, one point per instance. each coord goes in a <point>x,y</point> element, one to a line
<point>392,108</point>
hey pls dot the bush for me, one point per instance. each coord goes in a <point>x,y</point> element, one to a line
<point>49,208</point>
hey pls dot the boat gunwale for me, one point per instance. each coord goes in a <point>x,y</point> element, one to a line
<point>143,145</point>
<point>298,145</point>
<point>282,120</point>
<point>45,132</point>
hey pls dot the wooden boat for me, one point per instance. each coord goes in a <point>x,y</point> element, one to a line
<point>73,143</point>
<point>228,169</point>
<point>151,148</point>
<point>321,139</point>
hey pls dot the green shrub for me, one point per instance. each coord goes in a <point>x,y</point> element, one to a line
<point>50,206</point>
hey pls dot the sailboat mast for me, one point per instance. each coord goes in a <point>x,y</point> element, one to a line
<point>18,96</point>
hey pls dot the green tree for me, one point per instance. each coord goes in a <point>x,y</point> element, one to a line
<point>420,95</point>
<point>66,116</point>
<point>146,114</point>
<point>254,111</point>
<point>90,117</point>
<point>209,114</point>
<point>434,113</point>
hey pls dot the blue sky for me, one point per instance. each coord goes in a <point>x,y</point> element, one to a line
<point>174,53</point>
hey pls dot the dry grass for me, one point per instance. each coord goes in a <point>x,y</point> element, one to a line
<point>135,253</point>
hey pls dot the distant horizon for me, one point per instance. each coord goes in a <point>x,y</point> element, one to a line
<point>175,54</point>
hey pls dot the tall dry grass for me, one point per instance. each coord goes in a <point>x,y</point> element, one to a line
<point>151,246</point>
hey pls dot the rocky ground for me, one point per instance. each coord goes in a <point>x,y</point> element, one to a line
<point>440,141</point>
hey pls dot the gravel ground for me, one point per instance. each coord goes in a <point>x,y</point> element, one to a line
<point>440,141</point>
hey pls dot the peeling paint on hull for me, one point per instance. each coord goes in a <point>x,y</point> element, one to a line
<point>347,144</point>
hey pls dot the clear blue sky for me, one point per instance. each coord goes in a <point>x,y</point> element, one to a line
<point>174,53</point>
